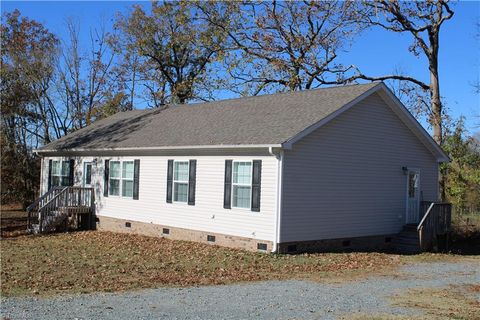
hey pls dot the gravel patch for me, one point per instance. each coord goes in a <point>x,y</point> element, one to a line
<point>264,300</point>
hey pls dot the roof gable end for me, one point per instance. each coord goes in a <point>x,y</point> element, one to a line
<point>397,107</point>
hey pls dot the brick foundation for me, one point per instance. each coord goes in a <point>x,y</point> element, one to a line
<point>156,230</point>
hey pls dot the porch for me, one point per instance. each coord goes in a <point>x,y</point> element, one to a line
<point>430,231</point>
<point>62,208</point>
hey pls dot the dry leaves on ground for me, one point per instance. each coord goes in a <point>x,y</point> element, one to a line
<point>103,261</point>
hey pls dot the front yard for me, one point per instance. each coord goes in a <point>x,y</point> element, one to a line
<point>92,261</point>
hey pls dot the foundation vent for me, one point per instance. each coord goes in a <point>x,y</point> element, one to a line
<point>210,238</point>
<point>262,246</point>
<point>128,224</point>
<point>292,248</point>
<point>165,231</point>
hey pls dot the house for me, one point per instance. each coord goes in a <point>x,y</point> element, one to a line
<point>312,170</point>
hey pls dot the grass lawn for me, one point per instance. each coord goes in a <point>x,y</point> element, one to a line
<point>103,261</point>
<point>92,261</point>
<point>453,302</point>
<point>13,221</point>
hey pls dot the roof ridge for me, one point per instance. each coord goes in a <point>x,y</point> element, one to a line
<point>373,83</point>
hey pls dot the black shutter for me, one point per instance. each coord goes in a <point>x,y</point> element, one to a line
<point>136,178</point>
<point>192,171</point>
<point>169,181</point>
<point>49,174</point>
<point>256,181</point>
<point>71,167</point>
<point>227,194</point>
<point>105,178</point>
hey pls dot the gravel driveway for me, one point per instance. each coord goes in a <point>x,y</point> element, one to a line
<point>261,300</point>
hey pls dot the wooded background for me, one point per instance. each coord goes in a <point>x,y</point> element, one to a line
<point>181,52</point>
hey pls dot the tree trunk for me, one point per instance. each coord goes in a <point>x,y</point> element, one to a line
<point>436,118</point>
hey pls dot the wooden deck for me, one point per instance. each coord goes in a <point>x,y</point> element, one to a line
<point>62,208</point>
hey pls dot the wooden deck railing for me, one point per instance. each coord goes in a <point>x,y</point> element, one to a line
<point>434,227</point>
<point>41,202</point>
<point>59,202</point>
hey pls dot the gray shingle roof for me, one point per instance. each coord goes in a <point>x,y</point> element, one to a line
<point>260,120</point>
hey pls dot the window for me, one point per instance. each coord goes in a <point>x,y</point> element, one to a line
<point>60,173</point>
<point>180,181</point>
<point>242,184</point>
<point>114,178</point>
<point>127,179</point>
<point>412,184</point>
<point>121,179</point>
<point>87,174</point>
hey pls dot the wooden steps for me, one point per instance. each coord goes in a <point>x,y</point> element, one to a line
<point>62,208</point>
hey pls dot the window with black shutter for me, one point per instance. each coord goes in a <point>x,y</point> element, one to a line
<point>227,193</point>
<point>192,172</point>
<point>256,182</point>
<point>50,163</point>
<point>169,181</point>
<point>106,175</point>
<point>136,178</point>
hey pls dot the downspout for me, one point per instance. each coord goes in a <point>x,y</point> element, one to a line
<point>276,238</point>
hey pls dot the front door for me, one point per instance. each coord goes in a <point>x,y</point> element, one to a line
<point>413,196</point>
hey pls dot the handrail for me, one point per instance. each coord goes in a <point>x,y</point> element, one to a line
<point>425,216</point>
<point>54,198</point>
<point>57,198</point>
<point>39,199</point>
<point>434,228</point>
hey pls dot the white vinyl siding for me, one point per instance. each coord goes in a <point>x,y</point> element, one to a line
<point>180,181</point>
<point>208,213</point>
<point>241,184</point>
<point>346,178</point>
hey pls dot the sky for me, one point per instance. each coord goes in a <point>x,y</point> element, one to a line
<point>375,52</point>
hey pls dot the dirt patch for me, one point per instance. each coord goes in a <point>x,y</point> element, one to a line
<point>103,261</point>
<point>13,221</point>
<point>452,302</point>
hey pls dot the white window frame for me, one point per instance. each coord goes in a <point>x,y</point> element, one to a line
<point>122,178</point>
<point>242,184</point>
<point>117,178</point>
<point>180,181</point>
<point>60,175</point>
<point>85,164</point>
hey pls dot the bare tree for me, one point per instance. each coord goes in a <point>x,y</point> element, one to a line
<point>278,46</point>
<point>85,77</point>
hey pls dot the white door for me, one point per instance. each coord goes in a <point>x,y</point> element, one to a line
<point>413,196</point>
